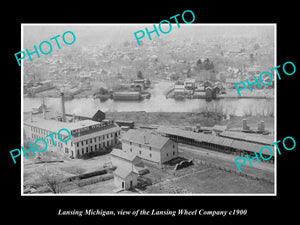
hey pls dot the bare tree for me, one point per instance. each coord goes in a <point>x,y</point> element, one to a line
<point>53,179</point>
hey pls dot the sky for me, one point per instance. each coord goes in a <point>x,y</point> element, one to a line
<point>34,35</point>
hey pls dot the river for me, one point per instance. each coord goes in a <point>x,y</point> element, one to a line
<point>157,103</point>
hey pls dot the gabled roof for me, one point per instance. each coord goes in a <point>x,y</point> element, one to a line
<point>124,155</point>
<point>200,137</point>
<point>145,138</point>
<point>86,113</point>
<point>123,173</point>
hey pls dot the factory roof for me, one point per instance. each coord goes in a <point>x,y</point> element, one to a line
<point>85,113</point>
<point>266,140</point>
<point>200,137</point>
<point>54,125</point>
<point>78,133</point>
<point>124,155</point>
<point>123,173</point>
<point>145,138</point>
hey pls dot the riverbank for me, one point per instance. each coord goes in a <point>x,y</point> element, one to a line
<point>230,93</point>
<point>142,118</point>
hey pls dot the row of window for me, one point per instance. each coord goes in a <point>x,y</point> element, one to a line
<point>150,155</point>
<point>150,148</point>
<point>94,147</point>
<point>49,141</point>
<point>45,133</point>
<point>40,131</point>
<point>107,136</point>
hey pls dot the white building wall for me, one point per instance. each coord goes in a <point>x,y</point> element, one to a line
<point>131,178</point>
<point>169,151</point>
<point>73,149</point>
<point>144,152</point>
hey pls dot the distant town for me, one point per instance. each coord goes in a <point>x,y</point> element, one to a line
<point>142,152</point>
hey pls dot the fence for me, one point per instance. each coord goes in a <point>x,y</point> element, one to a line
<point>202,162</point>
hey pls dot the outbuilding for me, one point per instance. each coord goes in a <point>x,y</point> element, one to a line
<point>125,178</point>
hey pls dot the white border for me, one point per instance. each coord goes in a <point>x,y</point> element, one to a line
<point>143,24</point>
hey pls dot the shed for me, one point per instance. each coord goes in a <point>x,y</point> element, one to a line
<point>125,178</point>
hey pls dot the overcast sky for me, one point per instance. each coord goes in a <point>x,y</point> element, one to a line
<point>119,33</point>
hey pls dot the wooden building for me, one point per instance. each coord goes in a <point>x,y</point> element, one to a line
<point>148,146</point>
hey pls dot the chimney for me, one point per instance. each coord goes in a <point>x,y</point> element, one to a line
<point>63,107</point>
<point>261,126</point>
<point>44,113</point>
<point>245,126</point>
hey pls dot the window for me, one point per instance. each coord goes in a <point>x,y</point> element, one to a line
<point>173,145</point>
<point>130,143</point>
<point>150,155</point>
<point>66,150</point>
<point>77,144</point>
<point>131,149</point>
<point>87,149</point>
<point>140,152</point>
<point>173,153</point>
<point>167,154</point>
<point>86,141</point>
<point>150,148</point>
<point>95,147</point>
<point>91,140</point>
<point>94,139</point>
<point>91,148</point>
<point>140,145</point>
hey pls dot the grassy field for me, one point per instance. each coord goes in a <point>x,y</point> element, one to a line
<point>211,180</point>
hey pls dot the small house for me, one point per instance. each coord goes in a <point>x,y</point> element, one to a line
<point>125,178</point>
<point>190,84</point>
<point>127,161</point>
<point>208,92</point>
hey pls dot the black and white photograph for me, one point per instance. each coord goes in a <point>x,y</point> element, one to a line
<point>160,116</point>
<point>149,113</point>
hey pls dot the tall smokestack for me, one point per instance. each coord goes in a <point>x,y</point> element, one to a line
<point>261,126</point>
<point>63,106</point>
<point>44,113</point>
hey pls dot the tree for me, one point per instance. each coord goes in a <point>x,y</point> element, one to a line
<point>251,58</point>
<point>140,75</point>
<point>188,75</point>
<point>103,91</point>
<point>53,179</point>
